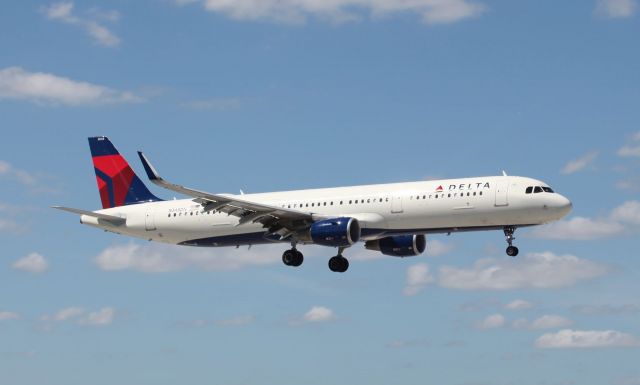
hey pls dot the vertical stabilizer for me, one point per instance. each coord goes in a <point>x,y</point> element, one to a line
<point>117,183</point>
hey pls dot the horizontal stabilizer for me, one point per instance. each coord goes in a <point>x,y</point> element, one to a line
<point>109,218</point>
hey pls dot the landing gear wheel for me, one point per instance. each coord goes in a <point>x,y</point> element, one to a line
<point>292,257</point>
<point>338,264</point>
<point>288,257</point>
<point>298,259</point>
<point>512,251</point>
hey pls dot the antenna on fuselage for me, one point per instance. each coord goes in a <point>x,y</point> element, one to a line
<point>504,173</point>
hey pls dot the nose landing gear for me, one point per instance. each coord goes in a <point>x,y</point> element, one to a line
<point>512,251</point>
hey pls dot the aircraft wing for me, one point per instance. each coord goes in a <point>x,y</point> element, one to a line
<point>279,220</point>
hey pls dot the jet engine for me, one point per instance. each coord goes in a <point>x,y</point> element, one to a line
<point>335,232</point>
<point>399,245</point>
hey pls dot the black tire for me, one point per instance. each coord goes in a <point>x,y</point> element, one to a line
<point>338,264</point>
<point>288,257</point>
<point>298,259</point>
<point>512,251</point>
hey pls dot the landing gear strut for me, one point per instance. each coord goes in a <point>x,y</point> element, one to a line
<point>339,264</point>
<point>512,251</point>
<point>292,257</point>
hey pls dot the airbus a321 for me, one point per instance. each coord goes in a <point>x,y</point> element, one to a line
<point>389,218</point>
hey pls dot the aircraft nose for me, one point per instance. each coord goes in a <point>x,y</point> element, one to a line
<point>563,204</point>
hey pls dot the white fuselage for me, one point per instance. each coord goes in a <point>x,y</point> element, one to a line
<point>438,206</point>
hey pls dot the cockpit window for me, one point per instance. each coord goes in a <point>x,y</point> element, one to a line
<point>529,190</point>
<point>537,189</point>
<point>547,189</point>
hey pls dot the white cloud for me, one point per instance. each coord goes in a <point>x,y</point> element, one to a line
<point>579,228</point>
<point>32,263</point>
<point>8,225</point>
<point>568,338</point>
<point>8,315</point>
<point>104,316</point>
<point>297,11</point>
<point>518,304</point>
<point>631,149</point>
<point>418,276</point>
<point>8,169</point>
<point>628,212</point>
<point>64,314</point>
<point>606,309</point>
<point>63,12</point>
<point>616,8</point>
<point>550,321</point>
<point>580,163</point>
<point>160,258</point>
<point>318,314</point>
<point>236,321</point>
<point>534,270</point>
<point>436,248</point>
<point>493,321</point>
<point>43,88</point>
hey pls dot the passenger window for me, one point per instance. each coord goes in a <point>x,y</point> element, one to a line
<point>350,202</point>
<point>538,189</point>
<point>474,193</point>
<point>340,202</point>
<point>528,190</point>
<point>368,200</point>
<point>449,196</point>
<point>480,192</point>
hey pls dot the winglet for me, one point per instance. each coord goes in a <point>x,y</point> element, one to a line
<point>152,174</point>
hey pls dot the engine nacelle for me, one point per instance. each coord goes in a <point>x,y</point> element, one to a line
<point>335,232</point>
<point>399,245</point>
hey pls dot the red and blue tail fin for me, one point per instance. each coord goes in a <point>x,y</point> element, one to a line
<point>117,183</point>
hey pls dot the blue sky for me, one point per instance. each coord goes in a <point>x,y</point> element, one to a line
<point>267,95</point>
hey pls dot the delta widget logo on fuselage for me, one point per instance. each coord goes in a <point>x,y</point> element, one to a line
<point>465,187</point>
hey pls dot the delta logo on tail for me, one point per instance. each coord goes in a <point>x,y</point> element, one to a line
<point>117,183</point>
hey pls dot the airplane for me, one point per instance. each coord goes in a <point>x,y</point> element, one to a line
<point>392,219</point>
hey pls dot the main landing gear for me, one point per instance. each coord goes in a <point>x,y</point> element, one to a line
<point>512,251</point>
<point>292,257</point>
<point>339,264</point>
